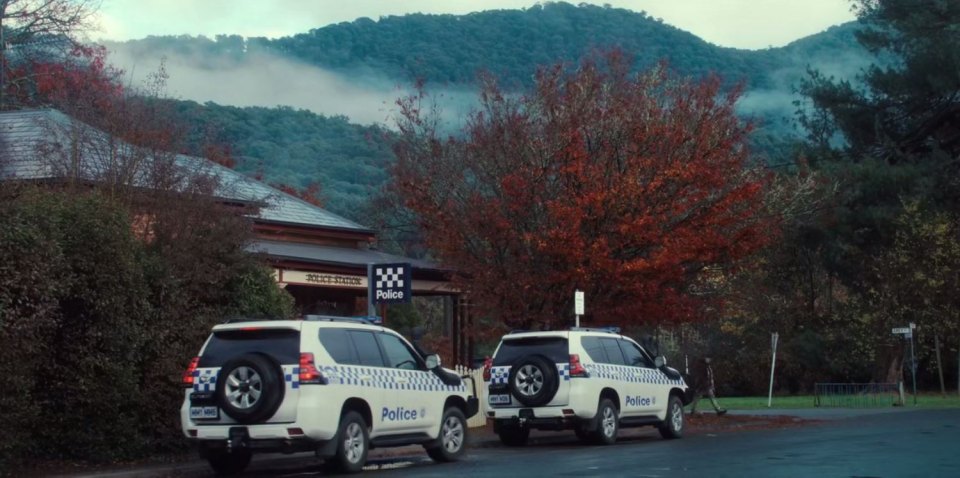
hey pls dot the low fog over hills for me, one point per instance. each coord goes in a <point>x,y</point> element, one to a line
<point>355,71</point>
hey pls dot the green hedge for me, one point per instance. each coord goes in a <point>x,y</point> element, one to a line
<point>97,324</point>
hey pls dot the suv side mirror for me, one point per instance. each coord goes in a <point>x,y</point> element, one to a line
<point>660,361</point>
<point>449,379</point>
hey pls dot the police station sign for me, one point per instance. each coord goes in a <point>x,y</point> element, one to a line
<point>391,283</point>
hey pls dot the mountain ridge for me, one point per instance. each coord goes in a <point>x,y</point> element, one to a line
<point>356,66</point>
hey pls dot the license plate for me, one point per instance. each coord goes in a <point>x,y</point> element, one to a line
<point>499,399</point>
<point>204,413</point>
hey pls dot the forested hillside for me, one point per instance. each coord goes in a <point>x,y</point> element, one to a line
<point>297,147</point>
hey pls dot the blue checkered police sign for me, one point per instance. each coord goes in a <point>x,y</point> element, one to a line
<point>391,283</point>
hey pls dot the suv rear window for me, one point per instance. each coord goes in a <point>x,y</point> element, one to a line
<point>554,348</point>
<point>281,344</point>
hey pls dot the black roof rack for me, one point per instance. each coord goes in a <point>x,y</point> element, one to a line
<point>609,330</point>
<point>336,318</point>
<point>254,318</point>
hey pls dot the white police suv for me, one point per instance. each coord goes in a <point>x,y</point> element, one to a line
<point>593,381</point>
<point>336,386</point>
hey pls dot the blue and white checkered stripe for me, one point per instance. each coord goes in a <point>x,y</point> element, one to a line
<point>387,378</point>
<point>501,375</point>
<point>630,374</point>
<point>205,379</point>
<point>291,375</point>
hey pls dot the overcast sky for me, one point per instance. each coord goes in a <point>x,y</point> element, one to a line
<point>735,23</point>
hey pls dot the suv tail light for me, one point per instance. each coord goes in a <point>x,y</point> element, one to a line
<point>308,371</point>
<point>576,368</point>
<point>188,375</point>
<point>487,365</point>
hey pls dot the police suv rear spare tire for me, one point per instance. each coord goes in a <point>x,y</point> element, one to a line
<point>250,388</point>
<point>533,380</point>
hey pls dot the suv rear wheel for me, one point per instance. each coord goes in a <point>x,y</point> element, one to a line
<point>250,388</point>
<point>353,444</point>
<point>533,380</point>
<point>607,423</point>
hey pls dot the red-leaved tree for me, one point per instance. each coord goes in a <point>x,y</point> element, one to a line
<point>634,188</point>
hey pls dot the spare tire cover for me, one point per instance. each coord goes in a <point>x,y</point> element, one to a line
<point>250,388</point>
<point>533,380</point>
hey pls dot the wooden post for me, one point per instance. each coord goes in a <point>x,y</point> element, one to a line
<point>936,344</point>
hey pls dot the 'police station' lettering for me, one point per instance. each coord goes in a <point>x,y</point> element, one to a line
<point>398,413</point>
<point>641,401</point>
<point>389,294</point>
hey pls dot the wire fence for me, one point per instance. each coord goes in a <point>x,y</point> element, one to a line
<point>480,419</point>
<point>858,395</point>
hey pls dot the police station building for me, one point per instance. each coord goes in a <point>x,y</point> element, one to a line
<point>320,258</point>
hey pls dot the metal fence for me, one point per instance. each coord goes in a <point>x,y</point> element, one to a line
<point>858,395</point>
<point>480,419</point>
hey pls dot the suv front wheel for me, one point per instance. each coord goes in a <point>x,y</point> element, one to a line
<point>453,436</point>
<point>672,426</point>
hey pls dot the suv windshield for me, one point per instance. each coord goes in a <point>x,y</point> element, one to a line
<point>554,348</point>
<point>281,344</point>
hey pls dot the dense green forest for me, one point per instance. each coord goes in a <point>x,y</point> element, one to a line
<point>297,147</point>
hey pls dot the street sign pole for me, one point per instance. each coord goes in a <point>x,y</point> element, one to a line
<point>907,333</point>
<point>774,338</point>
<point>578,305</point>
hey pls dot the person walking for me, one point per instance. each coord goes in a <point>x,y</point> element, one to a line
<point>703,386</point>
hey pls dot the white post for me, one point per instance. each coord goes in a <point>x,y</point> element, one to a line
<point>773,365</point>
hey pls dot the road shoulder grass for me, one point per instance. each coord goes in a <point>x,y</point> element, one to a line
<point>924,400</point>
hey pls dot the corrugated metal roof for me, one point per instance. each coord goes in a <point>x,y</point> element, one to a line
<point>337,256</point>
<point>30,138</point>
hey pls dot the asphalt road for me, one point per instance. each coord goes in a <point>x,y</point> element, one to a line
<point>922,443</point>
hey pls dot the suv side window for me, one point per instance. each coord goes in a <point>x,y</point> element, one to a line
<point>368,350</point>
<point>339,346</point>
<point>593,348</point>
<point>633,355</point>
<point>398,354</point>
<point>614,356</point>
